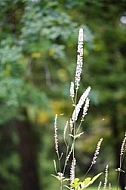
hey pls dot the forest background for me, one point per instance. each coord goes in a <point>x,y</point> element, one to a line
<point>37,63</point>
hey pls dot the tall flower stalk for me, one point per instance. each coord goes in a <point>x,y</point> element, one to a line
<point>122,154</point>
<point>72,127</point>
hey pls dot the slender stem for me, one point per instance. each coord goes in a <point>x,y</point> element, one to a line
<point>61,185</point>
<point>118,181</point>
<point>65,164</point>
<point>88,170</point>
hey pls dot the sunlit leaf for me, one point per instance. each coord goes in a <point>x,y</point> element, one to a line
<point>87,181</point>
<point>95,177</point>
<point>75,183</point>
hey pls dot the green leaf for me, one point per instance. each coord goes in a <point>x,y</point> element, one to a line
<point>60,178</point>
<point>75,183</point>
<point>95,177</point>
<point>88,181</point>
<point>57,177</point>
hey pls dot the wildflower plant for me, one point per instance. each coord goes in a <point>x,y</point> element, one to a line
<point>72,131</point>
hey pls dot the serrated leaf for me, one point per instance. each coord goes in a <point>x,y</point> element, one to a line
<point>75,183</point>
<point>87,181</point>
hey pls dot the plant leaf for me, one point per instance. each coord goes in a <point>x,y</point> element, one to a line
<point>75,183</point>
<point>57,177</point>
<point>95,177</point>
<point>88,181</point>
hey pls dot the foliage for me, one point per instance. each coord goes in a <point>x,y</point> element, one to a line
<point>77,185</point>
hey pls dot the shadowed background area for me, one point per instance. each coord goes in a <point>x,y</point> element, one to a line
<point>37,63</point>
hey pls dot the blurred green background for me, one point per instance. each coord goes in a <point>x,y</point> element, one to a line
<point>37,63</point>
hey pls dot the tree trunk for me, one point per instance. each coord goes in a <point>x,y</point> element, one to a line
<point>28,154</point>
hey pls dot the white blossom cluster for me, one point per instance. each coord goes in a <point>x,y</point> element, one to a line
<point>85,109</point>
<point>97,151</point>
<point>72,90</point>
<point>56,135</point>
<point>123,147</point>
<point>72,171</point>
<point>80,104</point>
<point>106,177</point>
<point>79,58</point>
